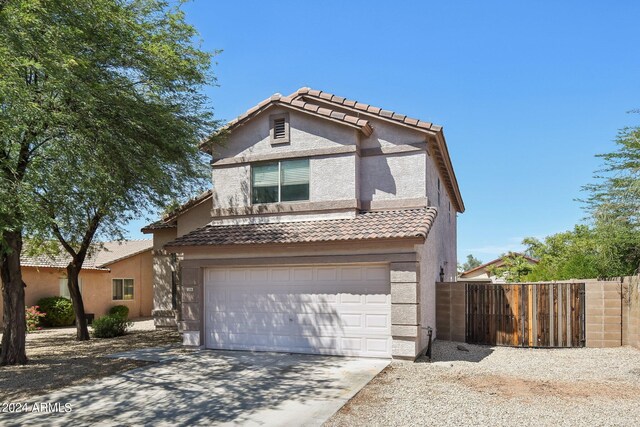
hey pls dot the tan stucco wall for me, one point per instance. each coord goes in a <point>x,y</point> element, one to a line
<point>97,286</point>
<point>393,176</point>
<point>307,133</point>
<point>197,217</point>
<point>377,172</point>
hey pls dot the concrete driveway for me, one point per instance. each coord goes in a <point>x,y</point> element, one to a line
<point>209,388</point>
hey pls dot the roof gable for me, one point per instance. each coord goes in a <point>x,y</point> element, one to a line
<point>498,262</point>
<point>99,259</point>
<point>331,107</point>
<point>440,150</point>
<point>298,105</point>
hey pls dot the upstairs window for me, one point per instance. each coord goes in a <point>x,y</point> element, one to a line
<point>282,181</point>
<point>279,130</point>
<point>438,191</point>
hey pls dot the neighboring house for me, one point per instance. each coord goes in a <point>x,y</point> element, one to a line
<point>481,272</point>
<point>120,273</point>
<point>328,224</point>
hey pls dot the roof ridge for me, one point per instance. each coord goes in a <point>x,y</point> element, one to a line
<point>366,108</point>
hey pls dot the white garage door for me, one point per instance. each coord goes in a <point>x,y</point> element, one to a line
<point>337,309</point>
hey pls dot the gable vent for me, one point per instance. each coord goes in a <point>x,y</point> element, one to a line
<point>279,129</point>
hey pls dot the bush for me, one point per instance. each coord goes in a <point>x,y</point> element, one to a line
<point>59,311</point>
<point>33,316</point>
<point>119,310</point>
<point>110,326</point>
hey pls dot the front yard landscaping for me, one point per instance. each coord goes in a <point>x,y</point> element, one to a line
<point>57,360</point>
<point>501,386</point>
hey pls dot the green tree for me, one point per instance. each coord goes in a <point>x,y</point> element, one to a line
<point>100,113</point>
<point>471,262</point>
<point>615,196</point>
<point>514,268</point>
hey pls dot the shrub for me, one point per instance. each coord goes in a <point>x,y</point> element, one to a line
<point>59,311</point>
<point>119,310</point>
<point>33,316</point>
<point>110,326</point>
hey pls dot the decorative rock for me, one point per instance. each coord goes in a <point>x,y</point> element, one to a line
<point>462,348</point>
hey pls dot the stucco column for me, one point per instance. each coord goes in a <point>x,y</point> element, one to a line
<point>405,309</point>
<point>164,315</point>
<point>192,291</point>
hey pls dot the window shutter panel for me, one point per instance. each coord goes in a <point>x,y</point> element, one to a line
<point>295,172</point>
<point>265,175</point>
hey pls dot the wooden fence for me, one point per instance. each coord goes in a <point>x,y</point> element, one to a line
<point>526,314</point>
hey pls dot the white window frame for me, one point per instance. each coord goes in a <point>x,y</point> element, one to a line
<point>64,289</point>
<point>122,279</point>
<point>279,181</point>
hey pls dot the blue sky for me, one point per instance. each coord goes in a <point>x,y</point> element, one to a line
<point>527,92</point>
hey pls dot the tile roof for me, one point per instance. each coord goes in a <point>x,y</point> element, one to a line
<point>169,220</point>
<point>408,223</point>
<point>443,160</point>
<point>305,92</point>
<point>499,261</point>
<point>332,107</point>
<point>107,254</point>
<point>299,105</point>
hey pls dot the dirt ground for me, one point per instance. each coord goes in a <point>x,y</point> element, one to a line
<point>57,360</point>
<point>502,386</point>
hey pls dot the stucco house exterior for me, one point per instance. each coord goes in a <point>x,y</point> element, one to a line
<point>481,272</point>
<point>328,223</point>
<point>120,273</point>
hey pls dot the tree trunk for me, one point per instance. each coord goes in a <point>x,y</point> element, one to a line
<point>73,283</point>
<point>15,328</point>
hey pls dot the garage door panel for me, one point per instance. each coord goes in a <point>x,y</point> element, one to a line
<point>342,310</point>
<point>302,273</point>
<point>351,273</point>
<point>377,345</point>
<point>379,299</point>
<point>327,274</point>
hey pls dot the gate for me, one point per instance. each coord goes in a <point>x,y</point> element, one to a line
<point>526,314</point>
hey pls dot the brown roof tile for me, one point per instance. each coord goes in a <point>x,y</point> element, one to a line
<point>100,258</point>
<point>302,105</point>
<point>169,220</point>
<point>409,223</point>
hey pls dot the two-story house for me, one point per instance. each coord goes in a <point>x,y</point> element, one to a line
<point>328,224</point>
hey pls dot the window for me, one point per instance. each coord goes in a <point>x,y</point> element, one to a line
<point>64,289</point>
<point>449,212</point>
<point>283,181</point>
<point>438,191</point>
<point>279,128</point>
<point>122,289</point>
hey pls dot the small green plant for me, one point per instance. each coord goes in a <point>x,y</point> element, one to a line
<point>119,310</point>
<point>110,326</point>
<point>59,311</point>
<point>33,316</point>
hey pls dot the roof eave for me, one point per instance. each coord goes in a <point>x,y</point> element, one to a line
<point>418,238</point>
<point>122,258</point>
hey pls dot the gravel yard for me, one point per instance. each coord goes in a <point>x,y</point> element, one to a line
<point>502,386</point>
<point>57,360</point>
